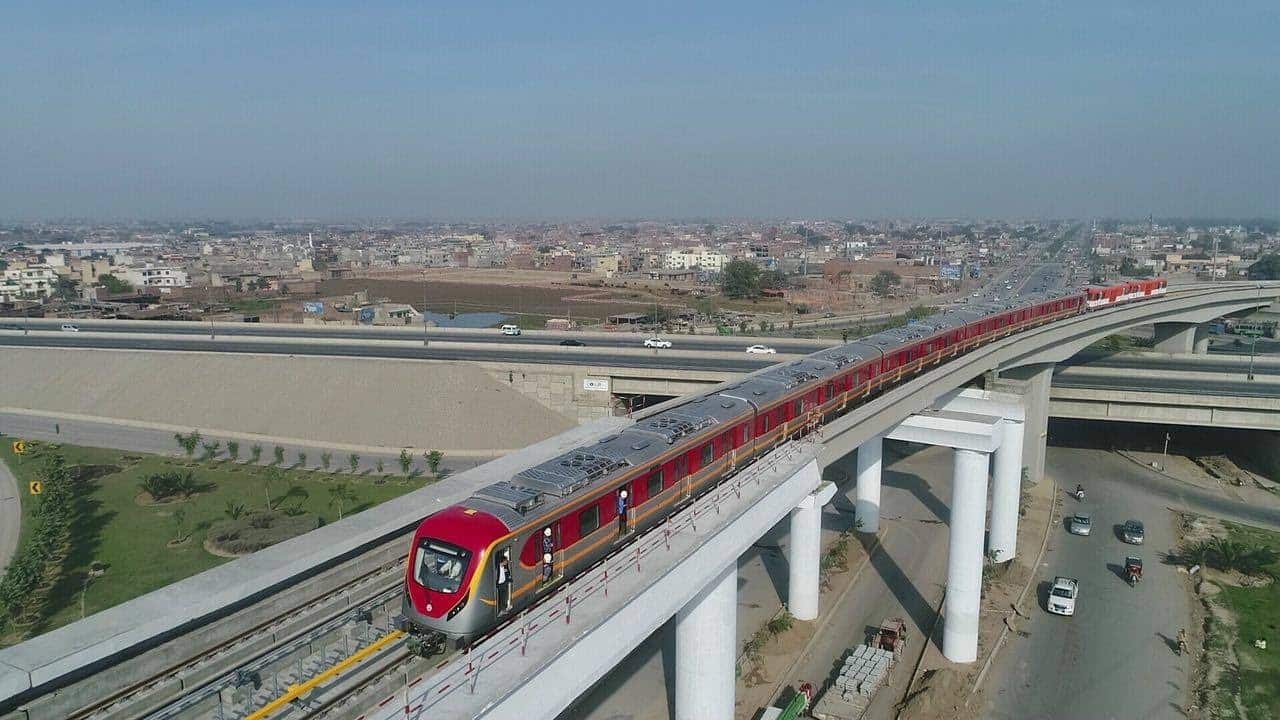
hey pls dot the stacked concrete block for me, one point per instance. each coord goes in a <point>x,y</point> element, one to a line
<point>864,670</point>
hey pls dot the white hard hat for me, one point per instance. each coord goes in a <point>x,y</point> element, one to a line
<point>546,557</point>
<point>623,493</point>
<point>547,532</point>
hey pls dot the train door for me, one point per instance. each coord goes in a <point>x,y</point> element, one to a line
<point>552,566</point>
<point>502,579</point>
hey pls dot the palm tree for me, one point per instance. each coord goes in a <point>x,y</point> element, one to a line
<point>340,495</point>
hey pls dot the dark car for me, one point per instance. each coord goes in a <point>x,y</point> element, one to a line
<point>1133,532</point>
<point>572,343</point>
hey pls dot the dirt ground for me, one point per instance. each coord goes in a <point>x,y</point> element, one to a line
<point>444,296</point>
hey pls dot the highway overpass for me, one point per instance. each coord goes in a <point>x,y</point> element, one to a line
<point>132,640</point>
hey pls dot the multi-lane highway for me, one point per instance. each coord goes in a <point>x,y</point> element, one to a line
<point>701,343</point>
<point>734,360</point>
<point>1116,658</point>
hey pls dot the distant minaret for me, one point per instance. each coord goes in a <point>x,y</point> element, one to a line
<point>1151,226</point>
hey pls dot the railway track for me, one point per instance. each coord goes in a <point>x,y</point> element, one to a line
<point>214,683</point>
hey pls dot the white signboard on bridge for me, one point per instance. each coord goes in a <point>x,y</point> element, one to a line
<point>595,384</point>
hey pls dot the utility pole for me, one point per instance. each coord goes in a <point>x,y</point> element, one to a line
<point>1164,455</point>
<point>424,307</point>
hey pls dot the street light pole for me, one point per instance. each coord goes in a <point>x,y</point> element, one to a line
<point>424,308</point>
<point>1164,455</point>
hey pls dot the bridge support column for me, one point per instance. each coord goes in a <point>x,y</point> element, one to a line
<point>964,556</point>
<point>1181,337</point>
<point>1006,491</point>
<point>1031,383</point>
<point>866,507</point>
<point>806,554</point>
<point>706,630</point>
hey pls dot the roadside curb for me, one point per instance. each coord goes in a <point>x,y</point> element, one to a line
<point>1031,579</point>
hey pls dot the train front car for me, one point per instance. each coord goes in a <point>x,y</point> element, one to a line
<point>444,573</point>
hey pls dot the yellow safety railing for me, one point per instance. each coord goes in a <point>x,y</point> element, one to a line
<point>297,691</point>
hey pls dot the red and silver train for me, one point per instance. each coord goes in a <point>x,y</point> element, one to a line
<point>512,542</point>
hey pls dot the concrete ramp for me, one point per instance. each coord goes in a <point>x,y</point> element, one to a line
<point>390,403</point>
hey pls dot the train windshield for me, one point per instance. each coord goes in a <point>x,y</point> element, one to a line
<point>440,566</point>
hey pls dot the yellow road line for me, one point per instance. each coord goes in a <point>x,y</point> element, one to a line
<point>297,691</point>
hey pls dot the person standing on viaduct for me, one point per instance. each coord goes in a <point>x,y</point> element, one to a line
<point>622,512</point>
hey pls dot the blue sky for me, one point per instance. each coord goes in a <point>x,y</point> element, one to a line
<point>622,110</point>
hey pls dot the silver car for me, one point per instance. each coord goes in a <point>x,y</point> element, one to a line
<point>1132,532</point>
<point>1080,524</point>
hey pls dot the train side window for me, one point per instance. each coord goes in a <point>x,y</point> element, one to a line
<point>588,520</point>
<point>706,454</point>
<point>654,485</point>
<point>795,409</point>
<point>744,434</point>
<point>764,424</point>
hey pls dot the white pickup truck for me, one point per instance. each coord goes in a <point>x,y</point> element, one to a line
<point>1062,596</point>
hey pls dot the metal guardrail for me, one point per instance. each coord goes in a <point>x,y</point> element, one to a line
<point>462,671</point>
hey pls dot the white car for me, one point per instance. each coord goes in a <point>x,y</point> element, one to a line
<point>657,342</point>
<point>68,327</point>
<point>761,350</point>
<point>1062,596</point>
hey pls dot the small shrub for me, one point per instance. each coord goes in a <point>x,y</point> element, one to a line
<point>233,450</point>
<point>255,453</point>
<point>326,458</point>
<point>279,455</point>
<point>354,461</point>
<point>406,462</point>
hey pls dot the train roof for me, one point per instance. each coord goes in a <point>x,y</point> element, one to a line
<point>562,479</point>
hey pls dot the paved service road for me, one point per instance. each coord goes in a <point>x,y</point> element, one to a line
<point>160,441</point>
<point>1114,658</point>
<point>10,517</point>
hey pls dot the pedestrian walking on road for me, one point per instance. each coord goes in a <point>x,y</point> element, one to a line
<point>1182,640</point>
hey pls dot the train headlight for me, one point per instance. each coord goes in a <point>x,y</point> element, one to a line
<point>458,608</point>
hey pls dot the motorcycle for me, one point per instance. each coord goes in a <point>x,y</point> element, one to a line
<point>1079,494</point>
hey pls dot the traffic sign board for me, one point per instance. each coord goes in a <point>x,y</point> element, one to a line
<point>19,447</point>
<point>35,487</point>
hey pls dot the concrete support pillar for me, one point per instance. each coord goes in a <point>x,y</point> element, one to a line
<point>1202,339</point>
<point>1031,382</point>
<point>964,557</point>
<point>1181,337</point>
<point>706,631</point>
<point>867,499</point>
<point>1006,491</point>
<point>805,553</point>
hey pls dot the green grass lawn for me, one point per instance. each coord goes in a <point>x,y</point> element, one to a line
<point>1257,613</point>
<point>132,539</point>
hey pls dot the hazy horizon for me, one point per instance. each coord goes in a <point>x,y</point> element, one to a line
<point>602,111</point>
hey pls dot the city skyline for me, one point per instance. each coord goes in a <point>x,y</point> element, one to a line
<point>555,112</point>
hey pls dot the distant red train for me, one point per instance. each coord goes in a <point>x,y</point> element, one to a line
<point>1097,297</point>
<point>473,564</point>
